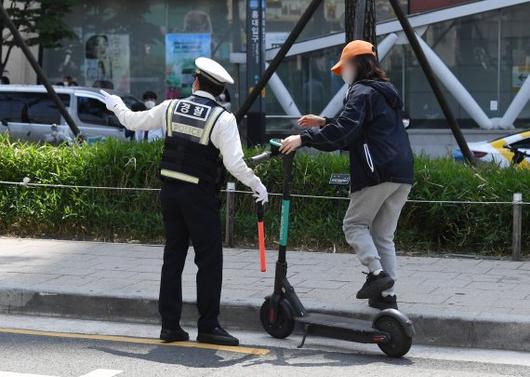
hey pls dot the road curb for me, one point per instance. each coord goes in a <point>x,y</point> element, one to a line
<point>508,333</point>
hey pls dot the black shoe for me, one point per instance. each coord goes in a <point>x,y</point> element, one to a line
<point>174,335</point>
<point>382,303</point>
<point>217,336</point>
<point>375,284</point>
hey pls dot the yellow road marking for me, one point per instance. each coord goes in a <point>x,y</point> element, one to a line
<point>149,341</point>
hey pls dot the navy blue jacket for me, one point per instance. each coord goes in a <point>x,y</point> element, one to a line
<point>371,129</point>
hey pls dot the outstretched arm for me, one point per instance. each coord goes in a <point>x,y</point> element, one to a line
<point>137,120</point>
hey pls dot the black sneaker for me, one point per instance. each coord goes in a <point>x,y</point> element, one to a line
<point>174,335</point>
<point>382,303</point>
<point>375,284</point>
<point>217,335</point>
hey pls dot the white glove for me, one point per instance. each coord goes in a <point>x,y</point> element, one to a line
<point>111,101</point>
<point>261,194</point>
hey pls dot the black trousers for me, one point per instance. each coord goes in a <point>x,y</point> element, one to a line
<point>191,212</point>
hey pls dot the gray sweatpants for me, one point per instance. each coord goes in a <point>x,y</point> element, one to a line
<point>371,221</point>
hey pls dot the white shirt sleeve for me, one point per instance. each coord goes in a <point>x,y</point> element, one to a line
<point>143,120</point>
<point>225,137</point>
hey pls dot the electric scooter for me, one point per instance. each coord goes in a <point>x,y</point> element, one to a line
<point>390,329</point>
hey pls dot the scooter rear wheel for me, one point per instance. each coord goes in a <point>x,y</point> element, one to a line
<point>280,327</point>
<point>399,343</point>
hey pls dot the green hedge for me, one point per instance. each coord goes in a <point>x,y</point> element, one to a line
<point>315,223</point>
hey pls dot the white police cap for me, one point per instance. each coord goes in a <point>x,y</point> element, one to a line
<point>213,71</point>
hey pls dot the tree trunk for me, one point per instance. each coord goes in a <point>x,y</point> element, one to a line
<point>368,20</point>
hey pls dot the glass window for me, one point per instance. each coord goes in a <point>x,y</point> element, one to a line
<point>91,110</point>
<point>30,107</point>
<point>282,15</point>
<point>515,58</point>
<point>522,144</point>
<point>469,47</point>
<point>489,53</point>
<point>41,109</point>
<point>310,83</point>
<point>11,105</point>
<point>384,9</point>
<point>141,45</point>
<point>123,43</point>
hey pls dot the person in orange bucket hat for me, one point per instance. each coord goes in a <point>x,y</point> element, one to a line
<point>370,128</point>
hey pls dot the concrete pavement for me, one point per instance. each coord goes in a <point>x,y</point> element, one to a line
<point>464,302</point>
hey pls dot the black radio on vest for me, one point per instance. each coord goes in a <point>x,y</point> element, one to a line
<point>189,154</point>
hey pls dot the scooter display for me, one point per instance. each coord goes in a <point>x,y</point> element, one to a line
<point>390,329</point>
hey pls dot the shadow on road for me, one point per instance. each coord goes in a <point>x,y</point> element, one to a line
<point>199,358</point>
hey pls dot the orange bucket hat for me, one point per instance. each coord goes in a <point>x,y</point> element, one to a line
<point>354,48</point>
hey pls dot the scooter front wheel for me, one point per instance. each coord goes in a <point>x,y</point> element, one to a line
<point>277,323</point>
<point>399,343</point>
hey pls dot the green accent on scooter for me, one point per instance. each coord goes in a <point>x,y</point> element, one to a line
<point>284,225</point>
<point>275,142</point>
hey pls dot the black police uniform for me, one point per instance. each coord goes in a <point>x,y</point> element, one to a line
<point>191,168</point>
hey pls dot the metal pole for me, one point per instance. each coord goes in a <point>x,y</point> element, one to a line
<point>40,73</point>
<point>360,20</point>
<point>255,122</point>
<point>435,85</point>
<point>517,225</point>
<point>256,91</point>
<point>230,213</point>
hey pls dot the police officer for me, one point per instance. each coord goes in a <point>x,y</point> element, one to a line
<point>201,137</point>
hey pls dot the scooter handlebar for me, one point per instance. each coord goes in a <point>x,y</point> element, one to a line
<point>259,211</point>
<point>255,160</point>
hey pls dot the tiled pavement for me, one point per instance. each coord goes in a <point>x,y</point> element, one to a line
<point>455,287</point>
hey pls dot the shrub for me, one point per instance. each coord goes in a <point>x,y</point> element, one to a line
<point>315,223</point>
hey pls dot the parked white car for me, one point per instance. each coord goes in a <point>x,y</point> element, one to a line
<point>28,112</point>
<point>501,150</point>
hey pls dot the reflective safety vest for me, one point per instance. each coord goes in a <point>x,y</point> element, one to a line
<point>189,154</point>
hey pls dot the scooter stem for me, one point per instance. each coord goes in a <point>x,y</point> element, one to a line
<point>286,204</point>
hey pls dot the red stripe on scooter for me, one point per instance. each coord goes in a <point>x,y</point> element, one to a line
<point>261,240</point>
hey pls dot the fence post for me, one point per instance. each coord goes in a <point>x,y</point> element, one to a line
<point>230,213</point>
<point>517,225</point>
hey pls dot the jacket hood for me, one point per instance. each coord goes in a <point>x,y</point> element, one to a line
<point>387,90</point>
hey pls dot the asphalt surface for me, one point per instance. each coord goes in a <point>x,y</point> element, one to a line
<point>47,353</point>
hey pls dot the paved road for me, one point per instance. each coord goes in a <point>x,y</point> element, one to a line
<point>31,355</point>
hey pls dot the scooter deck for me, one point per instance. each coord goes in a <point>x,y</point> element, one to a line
<point>329,320</point>
<point>343,328</point>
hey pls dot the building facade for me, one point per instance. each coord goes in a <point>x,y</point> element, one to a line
<point>481,46</point>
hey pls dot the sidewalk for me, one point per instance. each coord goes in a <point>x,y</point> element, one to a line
<point>465,302</point>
